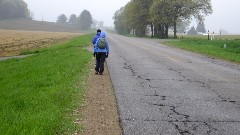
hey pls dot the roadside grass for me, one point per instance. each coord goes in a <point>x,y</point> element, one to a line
<point>40,93</point>
<point>216,37</point>
<point>214,48</point>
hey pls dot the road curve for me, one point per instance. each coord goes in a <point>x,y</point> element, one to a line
<point>168,91</point>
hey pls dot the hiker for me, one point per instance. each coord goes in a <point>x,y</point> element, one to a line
<point>101,50</point>
<point>95,39</point>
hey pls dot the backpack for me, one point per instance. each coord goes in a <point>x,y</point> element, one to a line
<point>102,44</point>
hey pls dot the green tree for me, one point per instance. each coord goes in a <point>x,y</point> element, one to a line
<point>192,31</point>
<point>201,27</point>
<point>161,16</point>
<point>137,15</point>
<point>13,9</point>
<point>133,17</point>
<point>85,20</point>
<point>119,22</point>
<point>73,19</point>
<point>182,9</point>
<point>182,26</point>
<point>62,19</point>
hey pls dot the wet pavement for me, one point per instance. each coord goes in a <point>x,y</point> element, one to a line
<point>168,91</point>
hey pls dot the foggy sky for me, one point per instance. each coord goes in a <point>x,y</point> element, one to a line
<point>226,13</point>
<point>101,10</point>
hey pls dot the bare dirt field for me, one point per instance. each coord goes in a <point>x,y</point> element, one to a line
<point>12,42</point>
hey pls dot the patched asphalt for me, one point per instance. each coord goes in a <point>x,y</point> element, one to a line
<point>168,91</point>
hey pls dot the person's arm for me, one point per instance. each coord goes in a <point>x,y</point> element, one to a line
<point>94,40</point>
<point>95,46</point>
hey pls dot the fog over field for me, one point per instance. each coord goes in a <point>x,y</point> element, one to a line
<point>225,12</point>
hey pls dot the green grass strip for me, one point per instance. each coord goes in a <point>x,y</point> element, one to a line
<point>213,48</point>
<point>39,93</point>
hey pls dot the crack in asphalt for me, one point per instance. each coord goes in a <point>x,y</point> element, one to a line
<point>181,122</point>
<point>129,67</point>
<point>206,85</point>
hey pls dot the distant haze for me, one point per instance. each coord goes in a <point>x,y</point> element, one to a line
<point>49,10</point>
<point>226,13</point>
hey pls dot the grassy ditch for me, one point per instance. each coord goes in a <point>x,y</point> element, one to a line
<point>213,48</point>
<point>39,93</point>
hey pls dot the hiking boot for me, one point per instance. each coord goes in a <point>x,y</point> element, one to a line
<point>96,72</point>
<point>101,73</point>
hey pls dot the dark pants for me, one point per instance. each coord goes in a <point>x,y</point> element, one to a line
<point>100,59</point>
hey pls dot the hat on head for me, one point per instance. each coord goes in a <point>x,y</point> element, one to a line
<point>98,30</point>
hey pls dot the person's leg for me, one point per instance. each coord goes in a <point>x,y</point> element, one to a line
<point>98,60</point>
<point>102,60</point>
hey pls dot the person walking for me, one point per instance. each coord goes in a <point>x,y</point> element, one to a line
<point>101,49</point>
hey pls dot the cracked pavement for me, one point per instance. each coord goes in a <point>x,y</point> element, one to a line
<point>161,90</point>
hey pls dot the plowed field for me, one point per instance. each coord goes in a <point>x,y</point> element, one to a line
<point>12,42</point>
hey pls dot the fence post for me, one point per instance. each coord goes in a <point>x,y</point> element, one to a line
<point>208,34</point>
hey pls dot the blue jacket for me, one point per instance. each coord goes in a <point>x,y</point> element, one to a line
<point>96,38</point>
<point>96,49</point>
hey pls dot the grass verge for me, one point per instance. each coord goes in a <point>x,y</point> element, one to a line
<point>213,48</point>
<point>39,93</point>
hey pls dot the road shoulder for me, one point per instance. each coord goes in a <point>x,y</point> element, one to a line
<point>100,114</point>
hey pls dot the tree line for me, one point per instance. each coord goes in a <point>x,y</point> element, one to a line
<point>13,9</point>
<point>84,20</point>
<point>159,15</point>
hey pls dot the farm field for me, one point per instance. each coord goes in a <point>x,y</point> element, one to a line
<point>13,42</point>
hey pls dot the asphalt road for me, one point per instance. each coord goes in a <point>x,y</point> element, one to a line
<point>161,90</point>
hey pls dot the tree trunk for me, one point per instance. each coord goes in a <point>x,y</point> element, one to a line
<point>152,29</point>
<point>175,30</point>
<point>155,30</point>
<point>159,31</point>
<point>137,32</point>
<point>166,31</point>
<point>163,31</point>
<point>143,32</point>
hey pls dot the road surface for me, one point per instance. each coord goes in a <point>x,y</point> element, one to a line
<point>165,91</point>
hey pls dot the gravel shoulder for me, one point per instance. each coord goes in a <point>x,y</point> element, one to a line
<point>100,114</point>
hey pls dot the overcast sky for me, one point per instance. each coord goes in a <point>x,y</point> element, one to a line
<point>226,13</point>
